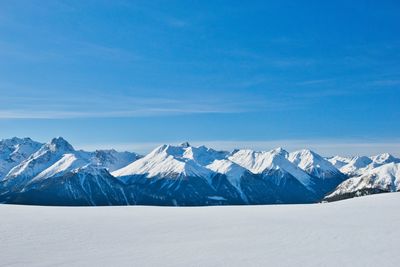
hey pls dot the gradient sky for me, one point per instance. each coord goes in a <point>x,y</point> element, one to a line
<point>258,74</point>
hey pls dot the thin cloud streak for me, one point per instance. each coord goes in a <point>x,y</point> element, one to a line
<point>25,114</point>
<point>119,105</point>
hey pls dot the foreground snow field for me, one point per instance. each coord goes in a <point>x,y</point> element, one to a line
<point>356,232</point>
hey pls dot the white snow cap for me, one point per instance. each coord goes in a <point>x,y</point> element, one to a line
<point>276,159</point>
<point>60,143</point>
<point>385,177</point>
<point>313,163</point>
<point>169,160</point>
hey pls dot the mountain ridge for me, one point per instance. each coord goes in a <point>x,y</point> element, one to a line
<point>182,175</point>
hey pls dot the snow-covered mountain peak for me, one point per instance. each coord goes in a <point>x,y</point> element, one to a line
<point>389,170</point>
<point>185,144</point>
<point>15,150</point>
<point>113,160</point>
<point>46,160</point>
<point>355,165</point>
<point>360,165</point>
<point>258,161</point>
<point>60,144</point>
<point>201,155</point>
<point>279,151</point>
<point>227,167</point>
<point>360,162</point>
<point>339,161</point>
<point>67,162</point>
<point>14,141</point>
<point>91,169</point>
<point>385,178</point>
<point>266,161</point>
<point>304,155</point>
<point>167,160</point>
<point>233,171</point>
<point>254,161</point>
<point>384,158</point>
<point>166,149</point>
<point>313,164</point>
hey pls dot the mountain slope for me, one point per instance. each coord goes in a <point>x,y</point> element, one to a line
<point>276,159</point>
<point>183,175</point>
<point>314,164</point>
<point>356,165</point>
<point>339,161</point>
<point>165,161</point>
<point>113,160</point>
<point>289,183</point>
<point>87,186</point>
<point>54,160</point>
<point>325,176</point>
<point>173,175</point>
<point>38,162</point>
<point>13,151</point>
<point>385,178</point>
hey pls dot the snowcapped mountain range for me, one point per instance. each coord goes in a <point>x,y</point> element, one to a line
<point>56,174</point>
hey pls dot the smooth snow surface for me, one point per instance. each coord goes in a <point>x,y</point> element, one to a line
<point>356,232</point>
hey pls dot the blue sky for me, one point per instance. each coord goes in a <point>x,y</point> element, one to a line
<point>259,74</point>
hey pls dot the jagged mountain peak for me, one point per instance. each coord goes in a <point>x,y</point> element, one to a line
<point>313,163</point>
<point>306,152</point>
<point>202,154</point>
<point>279,151</point>
<point>384,158</point>
<point>270,161</point>
<point>14,151</point>
<point>59,143</point>
<point>339,161</point>
<point>258,161</point>
<point>385,178</point>
<point>14,141</point>
<point>113,160</point>
<point>227,167</point>
<point>188,172</point>
<point>170,160</point>
<point>91,169</point>
<point>185,144</point>
<point>356,164</point>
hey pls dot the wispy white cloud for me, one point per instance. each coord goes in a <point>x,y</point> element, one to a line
<point>387,82</point>
<point>315,82</point>
<point>174,22</point>
<point>120,105</point>
<point>19,102</point>
<point>66,50</point>
<point>269,60</point>
<point>145,112</point>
